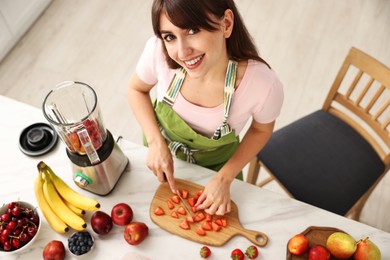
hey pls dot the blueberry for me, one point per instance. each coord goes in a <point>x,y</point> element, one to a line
<point>80,243</point>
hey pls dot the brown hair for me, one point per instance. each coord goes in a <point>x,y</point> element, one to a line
<point>190,14</point>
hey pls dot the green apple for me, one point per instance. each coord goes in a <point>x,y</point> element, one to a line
<point>341,245</point>
<point>366,250</point>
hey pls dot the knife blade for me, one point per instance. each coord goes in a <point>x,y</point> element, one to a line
<point>187,208</point>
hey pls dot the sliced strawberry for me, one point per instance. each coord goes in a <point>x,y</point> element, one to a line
<point>175,199</point>
<point>224,221</point>
<point>170,205</point>
<point>207,225</point>
<point>200,231</point>
<point>190,219</point>
<point>198,194</point>
<point>194,209</point>
<point>221,221</point>
<point>209,217</point>
<point>184,193</point>
<point>174,214</point>
<point>218,222</point>
<point>215,226</point>
<point>199,217</point>
<point>181,210</point>
<point>191,201</point>
<point>184,224</point>
<point>159,211</point>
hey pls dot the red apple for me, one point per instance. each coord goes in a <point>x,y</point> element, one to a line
<point>121,214</point>
<point>101,223</point>
<point>298,244</point>
<point>135,233</point>
<point>54,250</point>
<point>318,252</point>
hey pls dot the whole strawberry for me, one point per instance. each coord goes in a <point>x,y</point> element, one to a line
<point>252,252</point>
<point>237,254</point>
<point>205,252</point>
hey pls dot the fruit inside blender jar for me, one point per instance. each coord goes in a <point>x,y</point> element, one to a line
<point>95,133</point>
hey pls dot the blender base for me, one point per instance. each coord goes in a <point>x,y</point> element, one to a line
<point>100,178</point>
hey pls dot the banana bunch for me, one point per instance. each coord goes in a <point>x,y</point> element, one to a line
<point>62,206</point>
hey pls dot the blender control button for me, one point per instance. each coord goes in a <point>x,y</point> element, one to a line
<point>82,180</point>
<point>37,139</point>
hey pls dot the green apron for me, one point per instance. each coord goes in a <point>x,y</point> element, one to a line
<point>190,146</point>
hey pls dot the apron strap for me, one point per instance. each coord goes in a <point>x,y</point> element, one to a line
<point>174,87</point>
<point>230,84</point>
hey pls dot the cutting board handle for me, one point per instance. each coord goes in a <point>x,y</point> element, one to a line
<point>256,237</point>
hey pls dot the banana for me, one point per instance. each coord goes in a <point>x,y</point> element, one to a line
<point>55,201</point>
<point>75,209</point>
<point>54,221</point>
<point>67,193</point>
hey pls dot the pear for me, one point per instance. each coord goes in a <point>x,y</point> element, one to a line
<point>341,245</point>
<point>366,250</point>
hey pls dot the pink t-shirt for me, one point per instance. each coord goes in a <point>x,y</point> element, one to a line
<point>259,94</point>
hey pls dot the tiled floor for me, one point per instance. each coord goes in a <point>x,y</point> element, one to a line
<point>98,42</point>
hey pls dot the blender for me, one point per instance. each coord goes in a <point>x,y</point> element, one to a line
<point>97,160</point>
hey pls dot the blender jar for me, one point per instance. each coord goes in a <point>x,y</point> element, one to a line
<point>73,111</point>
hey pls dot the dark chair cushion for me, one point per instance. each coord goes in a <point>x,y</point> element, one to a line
<point>322,161</point>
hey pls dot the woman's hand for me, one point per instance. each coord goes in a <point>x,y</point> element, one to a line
<point>160,162</point>
<point>215,198</point>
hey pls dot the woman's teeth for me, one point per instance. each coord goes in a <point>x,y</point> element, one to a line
<point>192,62</point>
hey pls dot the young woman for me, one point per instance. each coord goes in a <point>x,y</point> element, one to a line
<point>210,81</point>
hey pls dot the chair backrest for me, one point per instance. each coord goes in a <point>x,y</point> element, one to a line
<point>360,95</point>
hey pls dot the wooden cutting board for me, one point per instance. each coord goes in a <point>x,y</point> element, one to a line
<point>212,238</point>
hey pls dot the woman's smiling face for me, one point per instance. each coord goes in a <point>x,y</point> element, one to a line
<point>197,50</point>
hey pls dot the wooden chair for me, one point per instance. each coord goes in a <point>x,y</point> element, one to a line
<point>335,157</point>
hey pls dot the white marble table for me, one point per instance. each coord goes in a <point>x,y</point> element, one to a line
<point>259,209</point>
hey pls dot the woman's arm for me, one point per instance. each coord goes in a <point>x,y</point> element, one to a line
<point>216,197</point>
<point>159,159</point>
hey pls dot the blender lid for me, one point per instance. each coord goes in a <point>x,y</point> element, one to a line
<point>37,139</point>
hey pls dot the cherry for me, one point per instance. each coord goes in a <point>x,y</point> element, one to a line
<point>22,222</point>
<point>24,237</point>
<point>16,243</point>
<point>11,205</point>
<point>17,232</point>
<point>34,218</point>
<point>5,234</point>
<point>7,245</point>
<point>6,217</point>
<point>16,211</point>
<point>28,212</point>
<point>32,231</point>
<point>11,225</point>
